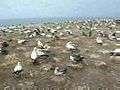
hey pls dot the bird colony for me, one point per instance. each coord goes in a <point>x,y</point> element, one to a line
<point>85,52</point>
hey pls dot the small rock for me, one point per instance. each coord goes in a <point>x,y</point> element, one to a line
<point>105,44</point>
<point>100,64</point>
<point>21,48</point>
<point>27,54</point>
<point>56,59</point>
<point>117,44</point>
<point>21,84</point>
<point>75,66</point>
<point>115,58</point>
<point>47,67</point>
<point>94,56</point>
<point>58,79</point>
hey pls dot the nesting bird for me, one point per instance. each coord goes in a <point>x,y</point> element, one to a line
<point>112,36</point>
<point>116,52</point>
<point>99,40</point>
<point>59,72</point>
<point>33,34</point>
<point>69,32</point>
<point>34,55</point>
<point>53,31</point>
<point>21,41</point>
<point>61,34</point>
<point>18,68</point>
<point>71,46</point>
<point>37,53</point>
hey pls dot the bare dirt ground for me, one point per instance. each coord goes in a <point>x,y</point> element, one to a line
<point>33,75</point>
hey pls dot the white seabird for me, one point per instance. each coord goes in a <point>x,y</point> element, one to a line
<point>18,68</point>
<point>61,34</point>
<point>21,41</point>
<point>53,31</point>
<point>112,36</point>
<point>116,52</point>
<point>69,32</point>
<point>37,53</point>
<point>70,46</point>
<point>99,40</point>
<point>59,72</point>
<point>34,55</point>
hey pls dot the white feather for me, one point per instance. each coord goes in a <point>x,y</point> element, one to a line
<point>18,67</point>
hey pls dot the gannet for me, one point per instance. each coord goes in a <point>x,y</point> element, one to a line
<point>71,46</point>
<point>112,36</point>
<point>61,34</point>
<point>69,32</point>
<point>21,41</point>
<point>58,27</point>
<point>32,35</point>
<point>42,34</point>
<point>59,72</point>
<point>18,68</point>
<point>34,55</point>
<point>53,31</point>
<point>99,40</point>
<point>116,52</point>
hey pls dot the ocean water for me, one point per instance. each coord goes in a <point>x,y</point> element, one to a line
<point>43,20</point>
<point>32,20</point>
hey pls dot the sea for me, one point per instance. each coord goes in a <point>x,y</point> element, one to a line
<point>24,21</point>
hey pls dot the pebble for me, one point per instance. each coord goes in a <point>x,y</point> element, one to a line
<point>58,79</point>
<point>94,56</point>
<point>100,64</point>
<point>75,66</point>
<point>47,67</point>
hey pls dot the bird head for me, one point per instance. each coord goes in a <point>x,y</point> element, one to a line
<point>35,48</point>
<point>57,68</point>
<point>19,63</point>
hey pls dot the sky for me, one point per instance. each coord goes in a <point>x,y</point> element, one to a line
<point>10,9</point>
